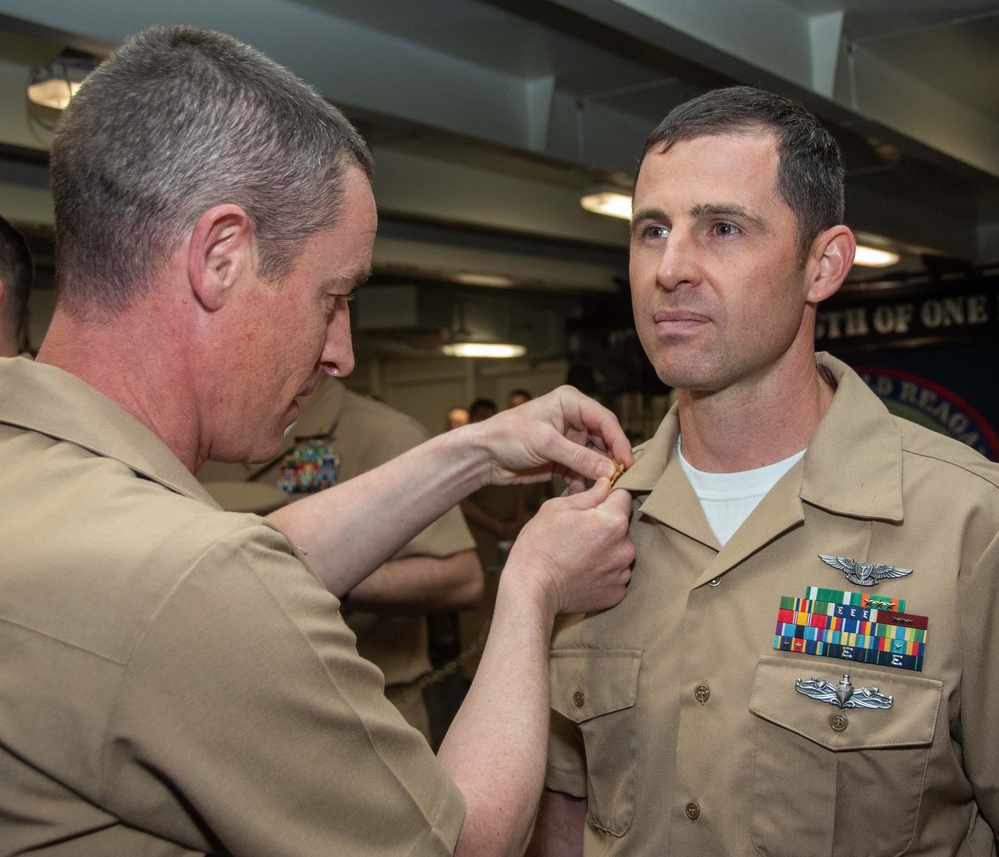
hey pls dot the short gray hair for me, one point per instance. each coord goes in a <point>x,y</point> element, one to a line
<point>176,121</point>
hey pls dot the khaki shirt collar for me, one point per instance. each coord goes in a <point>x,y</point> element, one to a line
<point>48,400</point>
<point>853,464</point>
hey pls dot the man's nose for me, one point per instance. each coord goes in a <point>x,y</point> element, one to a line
<point>338,352</point>
<point>678,262</point>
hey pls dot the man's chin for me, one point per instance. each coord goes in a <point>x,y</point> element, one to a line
<point>266,450</point>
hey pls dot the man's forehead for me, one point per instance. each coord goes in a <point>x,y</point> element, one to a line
<point>729,161</point>
<point>754,138</point>
<point>749,134</point>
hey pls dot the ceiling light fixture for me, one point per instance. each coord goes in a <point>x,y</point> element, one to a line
<point>54,84</point>
<point>484,349</point>
<point>492,280</point>
<point>604,199</point>
<point>871,257</point>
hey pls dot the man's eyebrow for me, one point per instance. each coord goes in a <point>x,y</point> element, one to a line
<point>646,215</point>
<point>700,211</point>
<point>347,281</point>
<point>649,214</point>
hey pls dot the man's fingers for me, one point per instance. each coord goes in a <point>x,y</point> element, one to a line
<point>590,498</point>
<point>601,426</point>
<point>621,499</point>
<point>584,461</point>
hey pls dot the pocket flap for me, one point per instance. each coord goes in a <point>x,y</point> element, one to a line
<point>589,682</point>
<point>909,722</point>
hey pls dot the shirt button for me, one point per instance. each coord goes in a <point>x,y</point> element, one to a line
<point>838,722</point>
<point>714,581</point>
<point>578,699</point>
<point>702,693</point>
<point>693,810</point>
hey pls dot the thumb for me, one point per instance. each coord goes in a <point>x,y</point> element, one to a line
<point>582,460</point>
<point>591,497</point>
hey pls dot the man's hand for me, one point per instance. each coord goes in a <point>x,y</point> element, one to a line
<point>578,550</point>
<point>563,433</point>
<point>353,528</point>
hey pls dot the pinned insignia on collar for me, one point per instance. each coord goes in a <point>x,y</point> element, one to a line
<point>844,694</point>
<point>863,573</point>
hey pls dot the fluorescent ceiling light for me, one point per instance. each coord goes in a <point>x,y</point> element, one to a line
<point>484,349</point>
<point>872,258</point>
<point>54,84</point>
<point>607,200</point>
<point>470,279</point>
<point>55,93</point>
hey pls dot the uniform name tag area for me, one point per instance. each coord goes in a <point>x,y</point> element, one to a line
<point>842,625</point>
<point>310,468</point>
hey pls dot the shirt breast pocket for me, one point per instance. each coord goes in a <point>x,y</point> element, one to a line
<point>838,781</point>
<point>597,691</point>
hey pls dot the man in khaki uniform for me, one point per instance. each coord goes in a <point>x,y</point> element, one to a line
<point>806,659</point>
<point>437,570</point>
<point>176,679</point>
<point>17,270</point>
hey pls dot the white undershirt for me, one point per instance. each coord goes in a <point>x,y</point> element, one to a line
<point>729,498</point>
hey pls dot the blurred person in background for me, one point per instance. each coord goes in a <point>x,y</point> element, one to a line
<point>17,271</point>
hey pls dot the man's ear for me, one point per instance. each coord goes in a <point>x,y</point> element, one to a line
<point>221,251</point>
<point>830,260</point>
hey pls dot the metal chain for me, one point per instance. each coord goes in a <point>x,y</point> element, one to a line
<point>452,666</point>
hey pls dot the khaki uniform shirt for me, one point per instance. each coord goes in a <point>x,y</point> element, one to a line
<point>681,724</point>
<point>174,680</point>
<point>364,434</point>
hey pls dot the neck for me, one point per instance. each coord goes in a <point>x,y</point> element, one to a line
<point>751,426</point>
<point>134,359</point>
<point>8,338</point>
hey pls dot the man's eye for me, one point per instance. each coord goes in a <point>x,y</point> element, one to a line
<point>340,301</point>
<point>656,232</point>
<point>726,229</point>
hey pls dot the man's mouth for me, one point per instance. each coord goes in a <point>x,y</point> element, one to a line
<point>678,319</point>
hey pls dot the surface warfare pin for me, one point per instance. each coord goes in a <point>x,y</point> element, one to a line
<point>844,694</point>
<point>862,573</point>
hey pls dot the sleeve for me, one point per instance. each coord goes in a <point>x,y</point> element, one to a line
<point>388,435</point>
<point>247,708</point>
<point>978,591</point>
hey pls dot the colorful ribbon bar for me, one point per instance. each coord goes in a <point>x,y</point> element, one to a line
<point>857,599</point>
<point>851,626</point>
<point>850,653</point>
